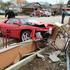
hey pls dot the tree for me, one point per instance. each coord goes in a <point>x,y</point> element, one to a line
<point>68,4</point>
<point>4,5</point>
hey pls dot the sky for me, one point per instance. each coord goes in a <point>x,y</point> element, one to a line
<point>49,1</point>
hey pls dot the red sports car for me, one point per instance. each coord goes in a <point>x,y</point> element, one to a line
<point>24,29</point>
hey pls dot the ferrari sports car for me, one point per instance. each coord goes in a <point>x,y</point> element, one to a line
<point>25,29</point>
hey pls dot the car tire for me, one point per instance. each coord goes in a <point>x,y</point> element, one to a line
<point>25,36</point>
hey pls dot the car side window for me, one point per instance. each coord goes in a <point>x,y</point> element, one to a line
<point>24,21</point>
<point>11,21</point>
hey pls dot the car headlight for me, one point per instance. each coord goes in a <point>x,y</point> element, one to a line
<point>38,35</point>
<point>50,31</point>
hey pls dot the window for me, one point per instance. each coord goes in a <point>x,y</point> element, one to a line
<point>10,21</point>
<point>24,21</point>
<point>28,21</point>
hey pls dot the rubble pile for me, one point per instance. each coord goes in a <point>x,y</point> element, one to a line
<point>48,63</point>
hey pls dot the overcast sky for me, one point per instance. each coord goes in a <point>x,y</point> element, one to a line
<point>49,1</point>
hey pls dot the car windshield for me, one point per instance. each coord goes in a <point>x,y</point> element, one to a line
<point>10,21</point>
<point>28,21</point>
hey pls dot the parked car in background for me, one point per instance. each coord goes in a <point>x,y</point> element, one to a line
<point>15,10</point>
<point>40,13</point>
<point>25,29</point>
<point>47,13</point>
<point>2,12</point>
<point>67,11</point>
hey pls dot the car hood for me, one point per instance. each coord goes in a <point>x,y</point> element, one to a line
<point>33,22</point>
<point>44,25</point>
<point>40,24</point>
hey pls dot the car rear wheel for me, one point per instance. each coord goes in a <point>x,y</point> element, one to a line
<point>25,36</point>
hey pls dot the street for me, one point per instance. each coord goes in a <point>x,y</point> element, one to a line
<point>51,19</point>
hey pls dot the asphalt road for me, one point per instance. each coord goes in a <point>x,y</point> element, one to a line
<point>51,19</point>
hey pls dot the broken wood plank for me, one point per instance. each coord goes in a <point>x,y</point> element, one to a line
<point>24,61</point>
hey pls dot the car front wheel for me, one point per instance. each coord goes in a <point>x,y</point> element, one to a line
<point>25,36</point>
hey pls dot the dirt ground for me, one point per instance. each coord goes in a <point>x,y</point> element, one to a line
<point>47,64</point>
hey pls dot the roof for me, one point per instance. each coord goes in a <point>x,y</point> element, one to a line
<point>36,5</point>
<point>32,5</point>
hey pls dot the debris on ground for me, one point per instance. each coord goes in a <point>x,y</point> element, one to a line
<point>53,56</point>
<point>47,64</point>
<point>40,56</point>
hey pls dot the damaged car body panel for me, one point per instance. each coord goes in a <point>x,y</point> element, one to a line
<point>24,29</point>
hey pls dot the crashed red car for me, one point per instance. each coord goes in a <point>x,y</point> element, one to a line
<point>25,29</point>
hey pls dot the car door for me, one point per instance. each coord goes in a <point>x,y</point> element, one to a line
<point>11,29</point>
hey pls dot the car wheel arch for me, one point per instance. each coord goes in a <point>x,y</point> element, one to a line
<point>24,31</point>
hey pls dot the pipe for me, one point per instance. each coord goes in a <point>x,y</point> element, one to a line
<point>67,56</point>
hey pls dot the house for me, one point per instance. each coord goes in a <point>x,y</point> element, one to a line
<point>30,7</point>
<point>57,8</point>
